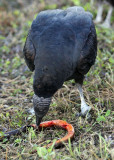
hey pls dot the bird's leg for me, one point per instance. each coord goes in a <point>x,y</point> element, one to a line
<point>99,13</point>
<point>41,107</point>
<point>91,2</point>
<point>106,23</point>
<point>84,107</point>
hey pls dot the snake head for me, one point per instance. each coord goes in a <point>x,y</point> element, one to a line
<point>41,107</point>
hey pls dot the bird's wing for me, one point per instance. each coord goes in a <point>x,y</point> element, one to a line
<point>29,52</point>
<point>86,41</point>
<point>88,52</point>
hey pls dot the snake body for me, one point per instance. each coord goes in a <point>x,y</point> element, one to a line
<point>59,123</point>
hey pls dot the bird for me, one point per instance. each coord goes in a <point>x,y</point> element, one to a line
<point>61,45</point>
<point>99,17</point>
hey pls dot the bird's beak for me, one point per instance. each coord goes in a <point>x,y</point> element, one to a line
<point>41,107</point>
<point>38,120</point>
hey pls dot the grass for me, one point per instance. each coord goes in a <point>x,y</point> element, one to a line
<point>93,139</point>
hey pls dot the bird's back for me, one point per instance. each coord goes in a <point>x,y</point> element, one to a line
<point>60,35</point>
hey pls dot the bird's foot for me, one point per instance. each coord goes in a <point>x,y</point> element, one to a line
<point>97,21</point>
<point>106,25</point>
<point>85,111</point>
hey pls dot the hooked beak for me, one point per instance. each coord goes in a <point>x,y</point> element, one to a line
<point>38,120</point>
<point>41,107</point>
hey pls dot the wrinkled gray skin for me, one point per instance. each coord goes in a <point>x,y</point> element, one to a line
<point>41,107</point>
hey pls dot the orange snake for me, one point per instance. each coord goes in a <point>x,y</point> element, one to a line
<point>59,123</point>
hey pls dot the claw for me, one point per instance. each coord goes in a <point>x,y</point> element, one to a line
<point>86,114</point>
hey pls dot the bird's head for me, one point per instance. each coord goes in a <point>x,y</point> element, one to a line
<point>41,107</point>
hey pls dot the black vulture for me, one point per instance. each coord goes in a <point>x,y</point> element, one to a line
<point>61,45</point>
<point>99,17</point>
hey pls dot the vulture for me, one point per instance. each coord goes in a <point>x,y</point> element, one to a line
<point>99,17</point>
<point>61,45</point>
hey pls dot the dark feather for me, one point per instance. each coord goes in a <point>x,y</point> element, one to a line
<point>29,53</point>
